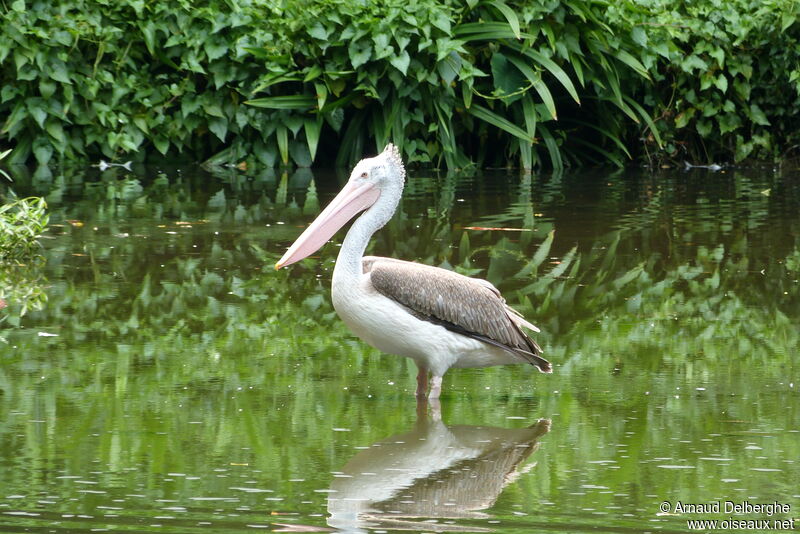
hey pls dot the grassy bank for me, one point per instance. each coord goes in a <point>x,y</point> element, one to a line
<point>546,83</point>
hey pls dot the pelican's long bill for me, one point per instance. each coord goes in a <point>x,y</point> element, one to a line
<point>354,198</point>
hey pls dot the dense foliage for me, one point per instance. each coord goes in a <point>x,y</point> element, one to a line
<point>727,75</point>
<point>454,83</point>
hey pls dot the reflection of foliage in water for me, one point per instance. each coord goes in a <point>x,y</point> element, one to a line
<point>177,317</point>
<point>22,221</point>
<point>710,290</point>
<point>21,289</point>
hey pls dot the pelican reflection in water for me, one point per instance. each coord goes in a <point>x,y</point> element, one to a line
<point>434,471</point>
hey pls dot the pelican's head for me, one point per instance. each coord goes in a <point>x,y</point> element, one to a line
<point>385,170</point>
<point>376,181</point>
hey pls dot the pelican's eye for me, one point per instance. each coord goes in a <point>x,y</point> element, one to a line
<point>364,175</point>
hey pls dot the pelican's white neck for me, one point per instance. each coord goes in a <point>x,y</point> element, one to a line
<point>348,263</point>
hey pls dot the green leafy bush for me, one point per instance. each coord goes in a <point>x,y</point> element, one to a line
<point>104,79</point>
<point>727,76</point>
<point>447,79</point>
<point>443,78</point>
<point>453,82</point>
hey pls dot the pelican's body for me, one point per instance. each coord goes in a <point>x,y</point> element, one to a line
<point>438,318</point>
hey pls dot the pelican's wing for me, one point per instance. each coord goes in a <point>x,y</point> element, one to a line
<point>469,306</point>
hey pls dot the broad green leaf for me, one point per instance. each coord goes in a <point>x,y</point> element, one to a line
<point>540,87</point>
<point>294,123</point>
<point>141,122</point>
<point>58,72</point>
<point>466,93</point>
<point>19,112</point>
<point>219,127</point>
<point>758,116</point>
<point>359,52</point>
<point>718,53</point>
<point>300,102</point>
<point>313,127</point>
<point>552,148</point>
<point>683,118</point>
<point>215,47</point>
<point>553,68</point>
<point>42,150</point>
<point>401,61</point>
<point>485,31</point>
<point>213,109</point>
<point>441,21</point>
<point>317,31</point>
<point>496,120</point>
<point>507,79</point>
<point>639,36</point>
<point>729,122</point>
<point>647,119</point>
<point>37,111</point>
<point>161,144</point>
<point>509,14</point>
<point>449,67</point>
<point>742,88</point>
<point>704,127</point>
<point>633,63</point>
<point>531,116</point>
<point>313,73</point>
<point>300,154</point>
<point>56,131</point>
<point>693,62</point>
<point>322,94</point>
<point>613,82</point>
<point>721,83</point>
<point>46,88</point>
<point>382,47</point>
<point>525,154</point>
<point>282,137</point>
<point>148,30</point>
<point>189,104</point>
<point>787,19</point>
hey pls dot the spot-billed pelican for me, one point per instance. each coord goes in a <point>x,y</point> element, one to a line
<point>438,318</point>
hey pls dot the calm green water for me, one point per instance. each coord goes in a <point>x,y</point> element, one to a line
<point>172,381</point>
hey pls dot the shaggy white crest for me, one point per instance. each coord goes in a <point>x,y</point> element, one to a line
<point>392,155</point>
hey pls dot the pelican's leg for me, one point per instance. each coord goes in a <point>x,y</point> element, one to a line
<point>436,409</point>
<point>436,387</point>
<point>422,382</point>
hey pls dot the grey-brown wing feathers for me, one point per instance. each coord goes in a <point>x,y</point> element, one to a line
<point>465,305</point>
